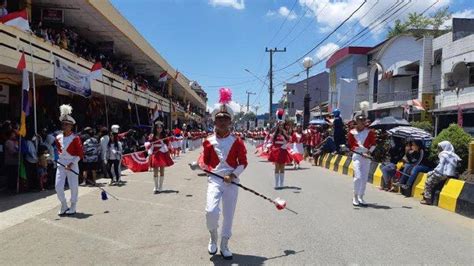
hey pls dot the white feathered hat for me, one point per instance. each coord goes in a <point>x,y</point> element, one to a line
<point>65,111</point>
<point>115,128</point>
<point>362,114</point>
<point>223,109</point>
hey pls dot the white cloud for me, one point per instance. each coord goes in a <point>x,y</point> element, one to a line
<point>284,12</point>
<point>326,50</point>
<point>329,14</point>
<point>467,13</point>
<point>237,4</point>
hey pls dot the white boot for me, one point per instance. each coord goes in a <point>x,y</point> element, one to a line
<point>160,187</point>
<point>361,200</point>
<point>277,180</point>
<point>225,252</point>
<point>282,180</point>
<point>355,200</point>
<point>72,209</point>
<point>212,247</point>
<point>155,189</point>
<point>63,209</point>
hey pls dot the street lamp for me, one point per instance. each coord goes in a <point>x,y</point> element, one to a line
<point>307,64</point>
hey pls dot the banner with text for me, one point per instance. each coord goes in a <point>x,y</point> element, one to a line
<point>69,78</point>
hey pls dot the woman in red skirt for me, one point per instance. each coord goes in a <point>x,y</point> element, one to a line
<point>158,152</point>
<point>279,154</point>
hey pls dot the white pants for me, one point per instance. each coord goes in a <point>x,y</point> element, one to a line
<point>217,190</point>
<point>72,180</point>
<point>361,173</point>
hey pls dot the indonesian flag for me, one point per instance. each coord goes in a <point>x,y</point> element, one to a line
<point>17,19</point>
<point>96,70</point>
<point>163,76</point>
<point>137,161</point>
<point>416,104</point>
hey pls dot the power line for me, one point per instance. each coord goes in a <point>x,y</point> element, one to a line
<point>296,24</point>
<point>284,21</point>
<point>325,38</point>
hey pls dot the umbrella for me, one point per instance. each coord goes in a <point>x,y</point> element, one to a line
<point>410,133</point>
<point>388,123</point>
<point>318,122</point>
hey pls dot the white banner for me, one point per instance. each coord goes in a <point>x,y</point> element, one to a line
<point>260,123</point>
<point>71,79</point>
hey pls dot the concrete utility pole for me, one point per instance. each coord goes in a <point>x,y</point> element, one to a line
<point>248,98</point>
<point>271,51</point>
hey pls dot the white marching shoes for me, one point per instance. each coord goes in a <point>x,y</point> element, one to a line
<point>63,209</point>
<point>355,200</point>
<point>361,200</point>
<point>225,252</point>
<point>72,209</point>
<point>212,247</point>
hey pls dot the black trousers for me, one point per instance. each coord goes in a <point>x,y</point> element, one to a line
<point>116,165</point>
<point>12,177</point>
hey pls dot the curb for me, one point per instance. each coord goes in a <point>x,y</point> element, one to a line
<point>455,195</point>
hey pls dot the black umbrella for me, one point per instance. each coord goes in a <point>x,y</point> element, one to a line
<point>388,123</point>
<point>412,133</point>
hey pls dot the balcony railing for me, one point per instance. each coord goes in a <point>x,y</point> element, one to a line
<point>385,97</point>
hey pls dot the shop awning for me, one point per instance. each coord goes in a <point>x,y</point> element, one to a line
<point>467,108</point>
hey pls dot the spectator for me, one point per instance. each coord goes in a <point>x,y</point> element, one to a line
<point>31,160</point>
<point>91,148</point>
<point>417,163</point>
<point>11,160</point>
<point>42,170</point>
<point>445,169</point>
<point>50,144</point>
<point>3,8</point>
<point>104,142</point>
<point>114,155</point>
<point>389,169</point>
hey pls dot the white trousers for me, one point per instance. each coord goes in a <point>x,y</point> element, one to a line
<point>72,180</point>
<point>217,190</point>
<point>361,173</point>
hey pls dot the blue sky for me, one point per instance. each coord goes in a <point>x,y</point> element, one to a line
<point>213,41</point>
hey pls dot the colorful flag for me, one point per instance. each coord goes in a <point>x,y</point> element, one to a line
<point>163,76</point>
<point>25,85</point>
<point>17,19</point>
<point>177,74</point>
<point>96,71</point>
<point>137,161</point>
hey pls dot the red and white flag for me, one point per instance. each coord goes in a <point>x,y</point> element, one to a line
<point>163,77</point>
<point>137,161</point>
<point>96,70</point>
<point>17,19</point>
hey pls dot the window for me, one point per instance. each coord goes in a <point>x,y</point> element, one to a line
<point>293,92</point>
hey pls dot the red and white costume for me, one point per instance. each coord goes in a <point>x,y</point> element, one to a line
<point>70,151</point>
<point>279,151</point>
<point>297,149</point>
<point>158,152</point>
<point>362,142</point>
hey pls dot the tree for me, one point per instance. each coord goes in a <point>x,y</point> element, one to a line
<point>439,18</point>
<point>425,125</point>
<point>397,29</point>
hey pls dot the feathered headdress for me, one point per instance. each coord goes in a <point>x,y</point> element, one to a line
<point>364,108</point>
<point>222,108</point>
<point>280,115</point>
<point>65,112</point>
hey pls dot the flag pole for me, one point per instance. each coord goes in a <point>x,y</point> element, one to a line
<point>19,144</point>
<point>105,101</point>
<point>34,89</point>
<point>136,108</point>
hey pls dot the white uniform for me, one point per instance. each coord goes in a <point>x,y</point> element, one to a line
<point>218,189</point>
<point>65,158</point>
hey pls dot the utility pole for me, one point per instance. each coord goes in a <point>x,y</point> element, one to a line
<point>248,98</point>
<point>271,51</point>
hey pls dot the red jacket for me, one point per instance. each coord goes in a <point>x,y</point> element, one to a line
<point>237,154</point>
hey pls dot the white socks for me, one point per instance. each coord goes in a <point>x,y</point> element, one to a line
<point>162,178</point>
<point>279,180</point>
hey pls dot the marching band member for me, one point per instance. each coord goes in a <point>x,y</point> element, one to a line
<point>224,154</point>
<point>297,138</point>
<point>279,154</point>
<point>158,152</point>
<point>70,153</point>
<point>362,141</point>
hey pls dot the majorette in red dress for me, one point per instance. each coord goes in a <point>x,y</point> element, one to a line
<point>279,151</point>
<point>158,152</point>
<point>297,149</point>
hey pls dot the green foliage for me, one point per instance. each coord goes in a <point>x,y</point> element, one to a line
<point>458,138</point>
<point>425,125</point>
<point>420,25</point>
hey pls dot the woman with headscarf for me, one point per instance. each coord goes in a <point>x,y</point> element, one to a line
<point>446,168</point>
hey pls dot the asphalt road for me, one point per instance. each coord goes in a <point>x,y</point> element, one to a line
<point>169,228</point>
